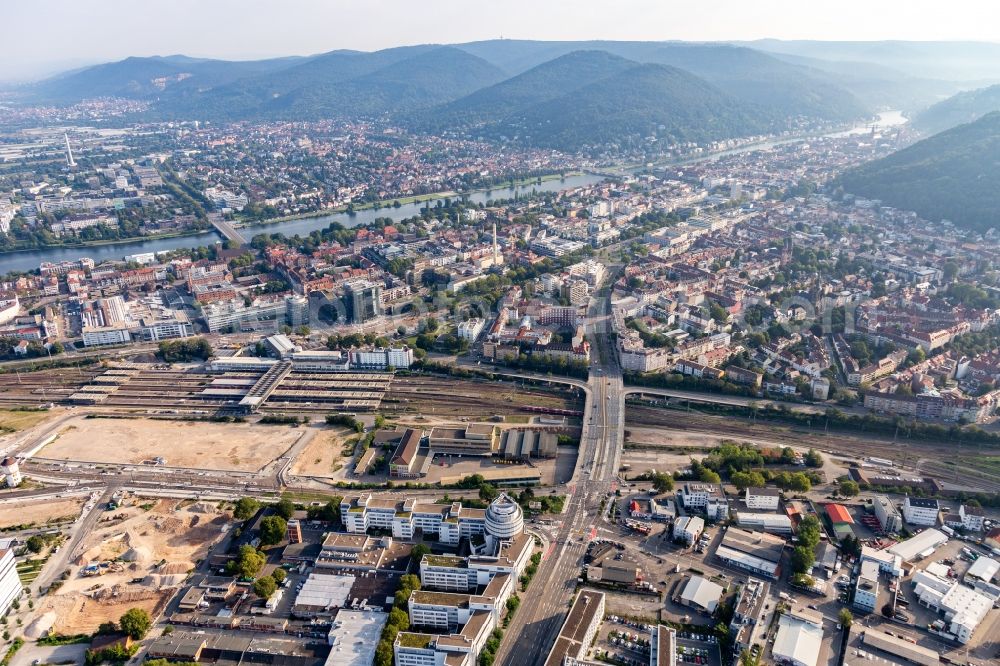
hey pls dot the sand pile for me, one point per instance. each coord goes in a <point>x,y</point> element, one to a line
<point>202,507</point>
<point>137,554</point>
<point>160,581</point>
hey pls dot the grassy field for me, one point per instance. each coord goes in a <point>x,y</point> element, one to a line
<point>13,420</point>
<point>988,464</point>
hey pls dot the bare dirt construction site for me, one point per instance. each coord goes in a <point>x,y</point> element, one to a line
<point>217,446</point>
<point>142,551</point>
<point>323,455</point>
<point>39,512</point>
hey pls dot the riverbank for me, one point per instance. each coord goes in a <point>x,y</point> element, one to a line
<point>28,260</point>
<point>390,204</point>
<point>107,241</point>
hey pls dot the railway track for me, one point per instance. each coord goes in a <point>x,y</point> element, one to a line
<point>932,458</point>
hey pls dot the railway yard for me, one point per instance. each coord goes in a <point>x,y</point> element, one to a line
<point>137,481</point>
<point>197,391</point>
<point>444,397</point>
<point>194,390</point>
<point>949,461</point>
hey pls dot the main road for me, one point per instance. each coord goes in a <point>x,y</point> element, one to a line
<point>534,627</point>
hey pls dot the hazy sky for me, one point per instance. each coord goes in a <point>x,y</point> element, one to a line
<point>42,36</point>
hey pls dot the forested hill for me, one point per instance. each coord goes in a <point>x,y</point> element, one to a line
<point>954,175</point>
<point>542,83</point>
<point>643,104</point>
<point>964,107</point>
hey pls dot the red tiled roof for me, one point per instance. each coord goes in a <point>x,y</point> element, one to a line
<point>838,513</point>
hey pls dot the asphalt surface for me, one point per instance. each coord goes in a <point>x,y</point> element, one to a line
<point>535,626</point>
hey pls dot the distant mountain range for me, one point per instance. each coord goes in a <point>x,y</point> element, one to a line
<point>953,175</point>
<point>961,108</point>
<point>545,93</point>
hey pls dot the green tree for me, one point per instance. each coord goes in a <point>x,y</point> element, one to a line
<point>285,508</point>
<point>663,482</point>
<point>845,618</point>
<point>848,488</point>
<point>135,623</point>
<point>748,658</point>
<point>35,543</point>
<point>813,458</point>
<point>418,552</point>
<point>744,480</point>
<point>384,653</point>
<point>272,530</point>
<point>408,583</point>
<point>279,575</point>
<point>399,619</point>
<point>264,587</point>
<point>245,508</point>
<point>802,559</point>
<point>248,562</point>
<point>799,481</point>
<point>105,628</point>
<point>809,531</point>
<point>487,492</point>
<point>950,271</point>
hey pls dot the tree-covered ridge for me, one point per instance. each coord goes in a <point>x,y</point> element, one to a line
<point>965,107</point>
<point>954,175</point>
<point>635,106</point>
<point>542,83</point>
<point>405,82</point>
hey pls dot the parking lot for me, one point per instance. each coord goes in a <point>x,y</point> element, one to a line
<point>626,641</point>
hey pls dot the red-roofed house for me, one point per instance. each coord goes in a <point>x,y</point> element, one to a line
<point>839,515</point>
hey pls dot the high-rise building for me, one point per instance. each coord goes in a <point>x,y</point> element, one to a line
<point>10,584</point>
<point>70,162</point>
<point>363,301</point>
<point>297,310</point>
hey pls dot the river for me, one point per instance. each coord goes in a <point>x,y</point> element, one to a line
<point>882,120</point>
<point>29,259</point>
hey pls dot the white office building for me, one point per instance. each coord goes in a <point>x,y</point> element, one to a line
<point>762,499</point>
<point>470,330</point>
<point>887,514</point>
<point>688,529</point>
<point>97,336</point>
<point>866,588</point>
<point>920,511</point>
<point>707,498</point>
<point>382,358</point>
<point>504,518</point>
<point>887,562</point>
<point>450,522</point>
<point>972,517</point>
